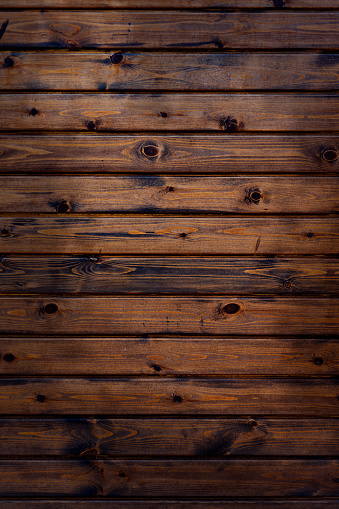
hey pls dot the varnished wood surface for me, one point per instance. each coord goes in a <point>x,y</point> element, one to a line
<point>189,235</point>
<point>164,71</point>
<point>169,153</point>
<point>182,478</point>
<point>170,30</point>
<point>228,113</point>
<point>104,438</point>
<point>170,356</point>
<point>169,315</point>
<point>168,275</point>
<point>314,397</point>
<point>106,194</point>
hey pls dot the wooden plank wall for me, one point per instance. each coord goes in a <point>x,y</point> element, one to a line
<point>169,309</point>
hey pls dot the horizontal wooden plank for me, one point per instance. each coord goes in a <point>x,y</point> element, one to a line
<point>170,111</point>
<point>169,315</point>
<point>103,438</point>
<point>170,504</point>
<point>168,275</point>
<point>189,235</point>
<point>166,396</point>
<point>164,71</point>
<point>169,153</point>
<point>165,4</point>
<point>170,356</point>
<point>159,194</point>
<point>181,478</point>
<point>171,29</point>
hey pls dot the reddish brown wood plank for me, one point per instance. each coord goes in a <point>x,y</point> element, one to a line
<point>167,396</point>
<point>165,4</point>
<point>150,194</point>
<point>163,71</point>
<point>226,113</point>
<point>171,29</point>
<point>179,235</point>
<point>103,438</point>
<point>168,275</point>
<point>182,478</point>
<point>169,315</point>
<point>169,153</point>
<point>170,356</point>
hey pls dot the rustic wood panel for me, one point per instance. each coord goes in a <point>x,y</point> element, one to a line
<point>170,504</point>
<point>168,275</point>
<point>177,29</point>
<point>168,112</point>
<point>157,194</point>
<point>182,396</point>
<point>164,71</point>
<point>93,438</point>
<point>169,153</point>
<point>169,235</point>
<point>170,356</point>
<point>169,315</point>
<point>165,4</point>
<point>182,478</point>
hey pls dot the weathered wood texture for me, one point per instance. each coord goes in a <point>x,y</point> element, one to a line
<point>170,356</point>
<point>169,275</point>
<point>169,315</point>
<point>188,235</point>
<point>228,113</point>
<point>317,397</point>
<point>103,438</point>
<point>169,153</point>
<point>182,478</point>
<point>165,4</point>
<point>157,194</point>
<point>166,71</point>
<point>172,30</point>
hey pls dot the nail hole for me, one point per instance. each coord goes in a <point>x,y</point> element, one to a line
<point>8,62</point>
<point>231,308</point>
<point>329,155</point>
<point>177,399</point>
<point>50,308</point>
<point>318,361</point>
<point>9,357</point>
<point>122,474</point>
<point>116,58</point>
<point>255,196</point>
<point>33,112</point>
<point>91,126</point>
<point>150,151</point>
<point>5,232</point>
<point>40,398</point>
<point>63,207</point>
<point>156,367</point>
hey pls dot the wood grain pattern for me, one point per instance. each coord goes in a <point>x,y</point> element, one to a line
<point>188,235</point>
<point>165,4</point>
<point>226,113</point>
<point>169,315</point>
<point>164,71</point>
<point>159,194</point>
<point>104,438</point>
<point>182,478</point>
<point>170,356</point>
<point>168,275</point>
<point>171,29</point>
<point>169,153</point>
<point>183,396</point>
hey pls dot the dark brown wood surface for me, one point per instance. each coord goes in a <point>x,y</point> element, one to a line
<point>168,275</point>
<point>103,438</point>
<point>152,29</point>
<point>169,315</point>
<point>154,194</point>
<point>179,356</point>
<point>170,4</point>
<point>189,235</point>
<point>223,112</point>
<point>167,71</point>
<point>187,154</point>
<point>182,478</point>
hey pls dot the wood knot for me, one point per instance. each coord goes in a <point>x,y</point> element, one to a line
<point>156,367</point>
<point>231,309</point>
<point>218,43</point>
<point>230,124</point>
<point>253,196</point>
<point>50,309</point>
<point>150,151</point>
<point>122,474</point>
<point>40,398</point>
<point>329,155</point>
<point>177,399</point>
<point>33,112</point>
<point>318,361</point>
<point>91,126</point>
<point>5,232</point>
<point>287,284</point>
<point>116,58</point>
<point>9,357</point>
<point>63,207</point>
<point>163,114</point>
<point>8,62</point>
<point>182,235</point>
